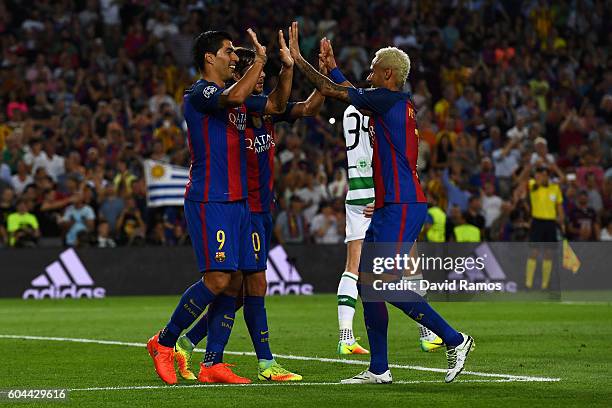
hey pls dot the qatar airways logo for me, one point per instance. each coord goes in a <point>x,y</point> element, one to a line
<point>238,119</point>
<point>261,143</point>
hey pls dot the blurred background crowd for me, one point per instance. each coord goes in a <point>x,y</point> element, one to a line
<point>502,89</point>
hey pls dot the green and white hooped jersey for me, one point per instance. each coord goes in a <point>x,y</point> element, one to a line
<point>359,157</point>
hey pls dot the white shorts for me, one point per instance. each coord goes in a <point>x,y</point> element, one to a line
<point>356,223</point>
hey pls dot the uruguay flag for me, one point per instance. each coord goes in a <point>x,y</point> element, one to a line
<point>165,183</point>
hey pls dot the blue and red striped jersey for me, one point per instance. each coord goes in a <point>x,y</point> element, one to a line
<point>396,144</point>
<point>216,137</point>
<point>260,144</point>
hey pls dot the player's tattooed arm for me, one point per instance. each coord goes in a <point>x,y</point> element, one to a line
<point>312,105</point>
<point>236,94</point>
<point>320,81</point>
<point>277,100</point>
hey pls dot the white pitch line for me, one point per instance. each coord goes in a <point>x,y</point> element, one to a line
<point>278,384</point>
<point>505,377</point>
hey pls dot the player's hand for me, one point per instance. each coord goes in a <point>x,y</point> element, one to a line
<point>326,52</point>
<point>368,211</point>
<point>285,54</point>
<point>322,67</point>
<point>260,50</point>
<point>294,44</point>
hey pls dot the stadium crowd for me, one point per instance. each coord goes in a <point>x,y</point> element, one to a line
<point>88,89</point>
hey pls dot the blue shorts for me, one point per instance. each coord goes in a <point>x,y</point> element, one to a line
<point>397,223</point>
<point>261,235</point>
<point>221,235</point>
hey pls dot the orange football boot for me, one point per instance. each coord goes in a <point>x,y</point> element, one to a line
<point>163,359</point>
<point>220,373</point>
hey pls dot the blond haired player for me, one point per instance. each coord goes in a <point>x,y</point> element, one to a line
<point>360,194</point>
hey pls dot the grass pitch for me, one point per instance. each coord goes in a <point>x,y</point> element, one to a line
<point>538,341</point>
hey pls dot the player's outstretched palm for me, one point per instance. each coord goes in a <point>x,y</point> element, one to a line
<point>294,44</point>
<point>326,54</point>
<point>260,50</point>
<point>285,54</point>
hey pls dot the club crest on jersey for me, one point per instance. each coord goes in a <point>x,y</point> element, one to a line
<point>208,91</point>
<point>363,164</point>
<point>238,119</point>
<point>220,256</point>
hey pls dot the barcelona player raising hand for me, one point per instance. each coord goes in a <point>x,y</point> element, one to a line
<point>400,205</point>
<point>216,210</point>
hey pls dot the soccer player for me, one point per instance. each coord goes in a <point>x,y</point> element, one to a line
<point>216,211</point>
<point>361,193</point>
<point>400,205</point>
<point>260,140</point>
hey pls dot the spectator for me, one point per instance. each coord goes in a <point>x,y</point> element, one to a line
<point>104,239</point>
<point>111,207</point>
<point>7,207</point>
<point>52,163</point>
<point>455,191</point>
<point>541,157</point>
<point>339,187</point>
<point>519,131</point>
<point>463,231</point>
<point>291,227</point>
<point>22,227</point>
<point>312,194</point>
<point>78,217</point>
<point>157,235</point>
<point>582,220</point>
<point>485,175</point>
<point>124,179</point>
<point>491,204</point>
<point>22,178</point>
<point>506,163</point>
<point>435,222</point>
<point>161,97</point>
<point>130,225</point>
<point>5,174</point>
<point>327,227</point>
<point>13,152</point>
<point>595,199</point>
<point>473,214</point>
<point>443,152</point>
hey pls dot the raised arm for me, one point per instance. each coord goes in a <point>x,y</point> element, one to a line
<point>312,105</point>
<point>277,100</point>
<point>326,55</point>
<point>320,81</point>
<point>236,94</point>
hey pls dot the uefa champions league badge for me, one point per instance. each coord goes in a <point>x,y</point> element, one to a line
<point>209,91</point>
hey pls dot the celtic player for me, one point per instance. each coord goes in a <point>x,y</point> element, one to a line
<point>360,194</point>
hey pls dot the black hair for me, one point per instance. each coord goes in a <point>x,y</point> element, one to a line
<point>210,41</point>
<point>246,58</point>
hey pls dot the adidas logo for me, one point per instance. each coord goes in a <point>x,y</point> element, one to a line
<point>282,276</point>
<point>64,278</point>
<point>492,272</point>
